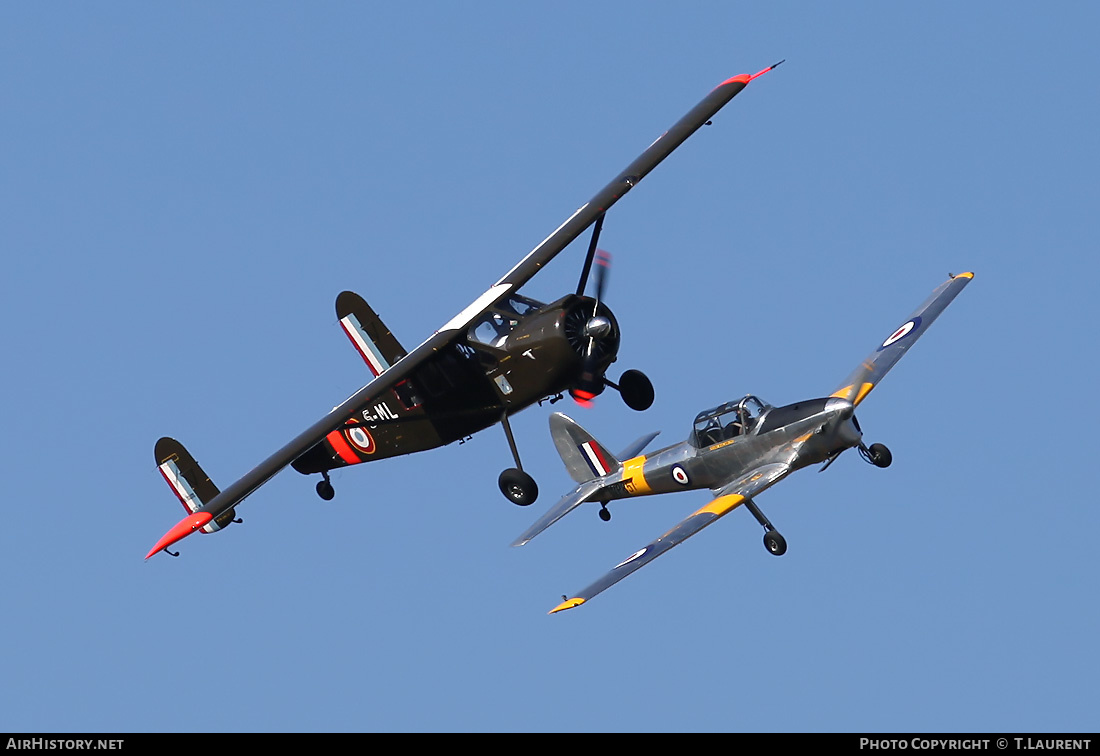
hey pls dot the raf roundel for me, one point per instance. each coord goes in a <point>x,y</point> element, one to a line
<point>901,333</point>
<point>680,475</point>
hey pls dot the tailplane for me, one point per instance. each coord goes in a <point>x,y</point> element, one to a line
<point>589,463</point>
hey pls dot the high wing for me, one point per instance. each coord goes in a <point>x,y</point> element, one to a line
<point>453,329</point>
<point>871,371</point>
<point>728,498</point>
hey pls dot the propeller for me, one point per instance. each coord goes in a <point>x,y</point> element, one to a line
<point>597,327</point>
<point>854,392</point>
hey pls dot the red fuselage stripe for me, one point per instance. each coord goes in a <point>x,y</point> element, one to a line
<point>340,444</point>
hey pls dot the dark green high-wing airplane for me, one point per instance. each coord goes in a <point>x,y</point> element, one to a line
<point>503,353</point>
<point>737,450</point>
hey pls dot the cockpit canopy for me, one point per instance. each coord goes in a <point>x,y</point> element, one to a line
<point>727,421</point>
<point>493,327</point>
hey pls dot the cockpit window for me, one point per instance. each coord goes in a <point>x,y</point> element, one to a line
<point>494,326</point>
<point>727,421</point>
<point>517,305</point>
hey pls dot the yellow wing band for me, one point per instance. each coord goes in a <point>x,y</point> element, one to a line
<point>864,390</point>
<point>722,504</point>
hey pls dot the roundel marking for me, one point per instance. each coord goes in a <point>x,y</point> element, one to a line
<point>680,475</point>
<point>631,558</point>
<point>361,439</point>
<point>901,333</point>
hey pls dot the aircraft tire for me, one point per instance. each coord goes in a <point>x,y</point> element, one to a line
<point>636,390</point>
<point>880,455</point>
<point>775,543</point>
<point>518,487</point>
<point>325,490</point>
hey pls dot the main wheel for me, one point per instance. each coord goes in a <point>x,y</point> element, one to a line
<point>325,490</point>
<point>605,514</point>
<point>518,487</point>
<point>880,455</point>
<point>775,543</point>
<point>636,390</point>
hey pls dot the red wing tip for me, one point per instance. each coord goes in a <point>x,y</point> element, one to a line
<point>181,529</point>
<point>746,78</point>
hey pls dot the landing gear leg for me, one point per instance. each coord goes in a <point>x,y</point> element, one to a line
<point>774,542</point>
<point>324,487</point>
<point>516,485</point>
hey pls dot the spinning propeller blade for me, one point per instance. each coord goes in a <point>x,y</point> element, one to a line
<point>590,384</point>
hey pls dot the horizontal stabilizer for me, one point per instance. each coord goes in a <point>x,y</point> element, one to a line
<point>571,501</point>
<point>368,334</point>
<point>638,446</point>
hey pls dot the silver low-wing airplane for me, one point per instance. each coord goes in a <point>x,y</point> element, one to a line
<point>738,450</point>
<point>501,354</point>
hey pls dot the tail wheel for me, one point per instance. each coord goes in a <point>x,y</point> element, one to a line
<point>325,490</point>
<point>518,487</point>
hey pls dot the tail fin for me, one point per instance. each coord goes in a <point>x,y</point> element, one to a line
<point>376,345</point>
<point>584,457</point>
<point>188,480</point>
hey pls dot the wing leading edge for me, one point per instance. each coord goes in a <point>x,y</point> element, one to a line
<point>728,498</point>
<point>549,248</point>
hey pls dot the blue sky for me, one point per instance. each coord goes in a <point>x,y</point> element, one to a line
<point>186,188</point>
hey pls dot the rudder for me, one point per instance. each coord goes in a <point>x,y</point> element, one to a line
<point>585,458</point>
<point>378,347</point>
<point>188,480</point>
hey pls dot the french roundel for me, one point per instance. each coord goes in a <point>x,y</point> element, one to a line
<point>901,333</point>
<point>680,475</point>
<point>361,439</point>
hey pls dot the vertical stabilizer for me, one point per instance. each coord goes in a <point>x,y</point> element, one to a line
<point>585,458</point>
<point>375,343</point>
<point>188,481</point>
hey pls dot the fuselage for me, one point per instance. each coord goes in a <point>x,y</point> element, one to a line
<point>798,435</point>
<point>518,353</point>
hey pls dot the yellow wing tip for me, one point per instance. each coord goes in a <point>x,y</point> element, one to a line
<point>567,604</point>
<point>964,275</point>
